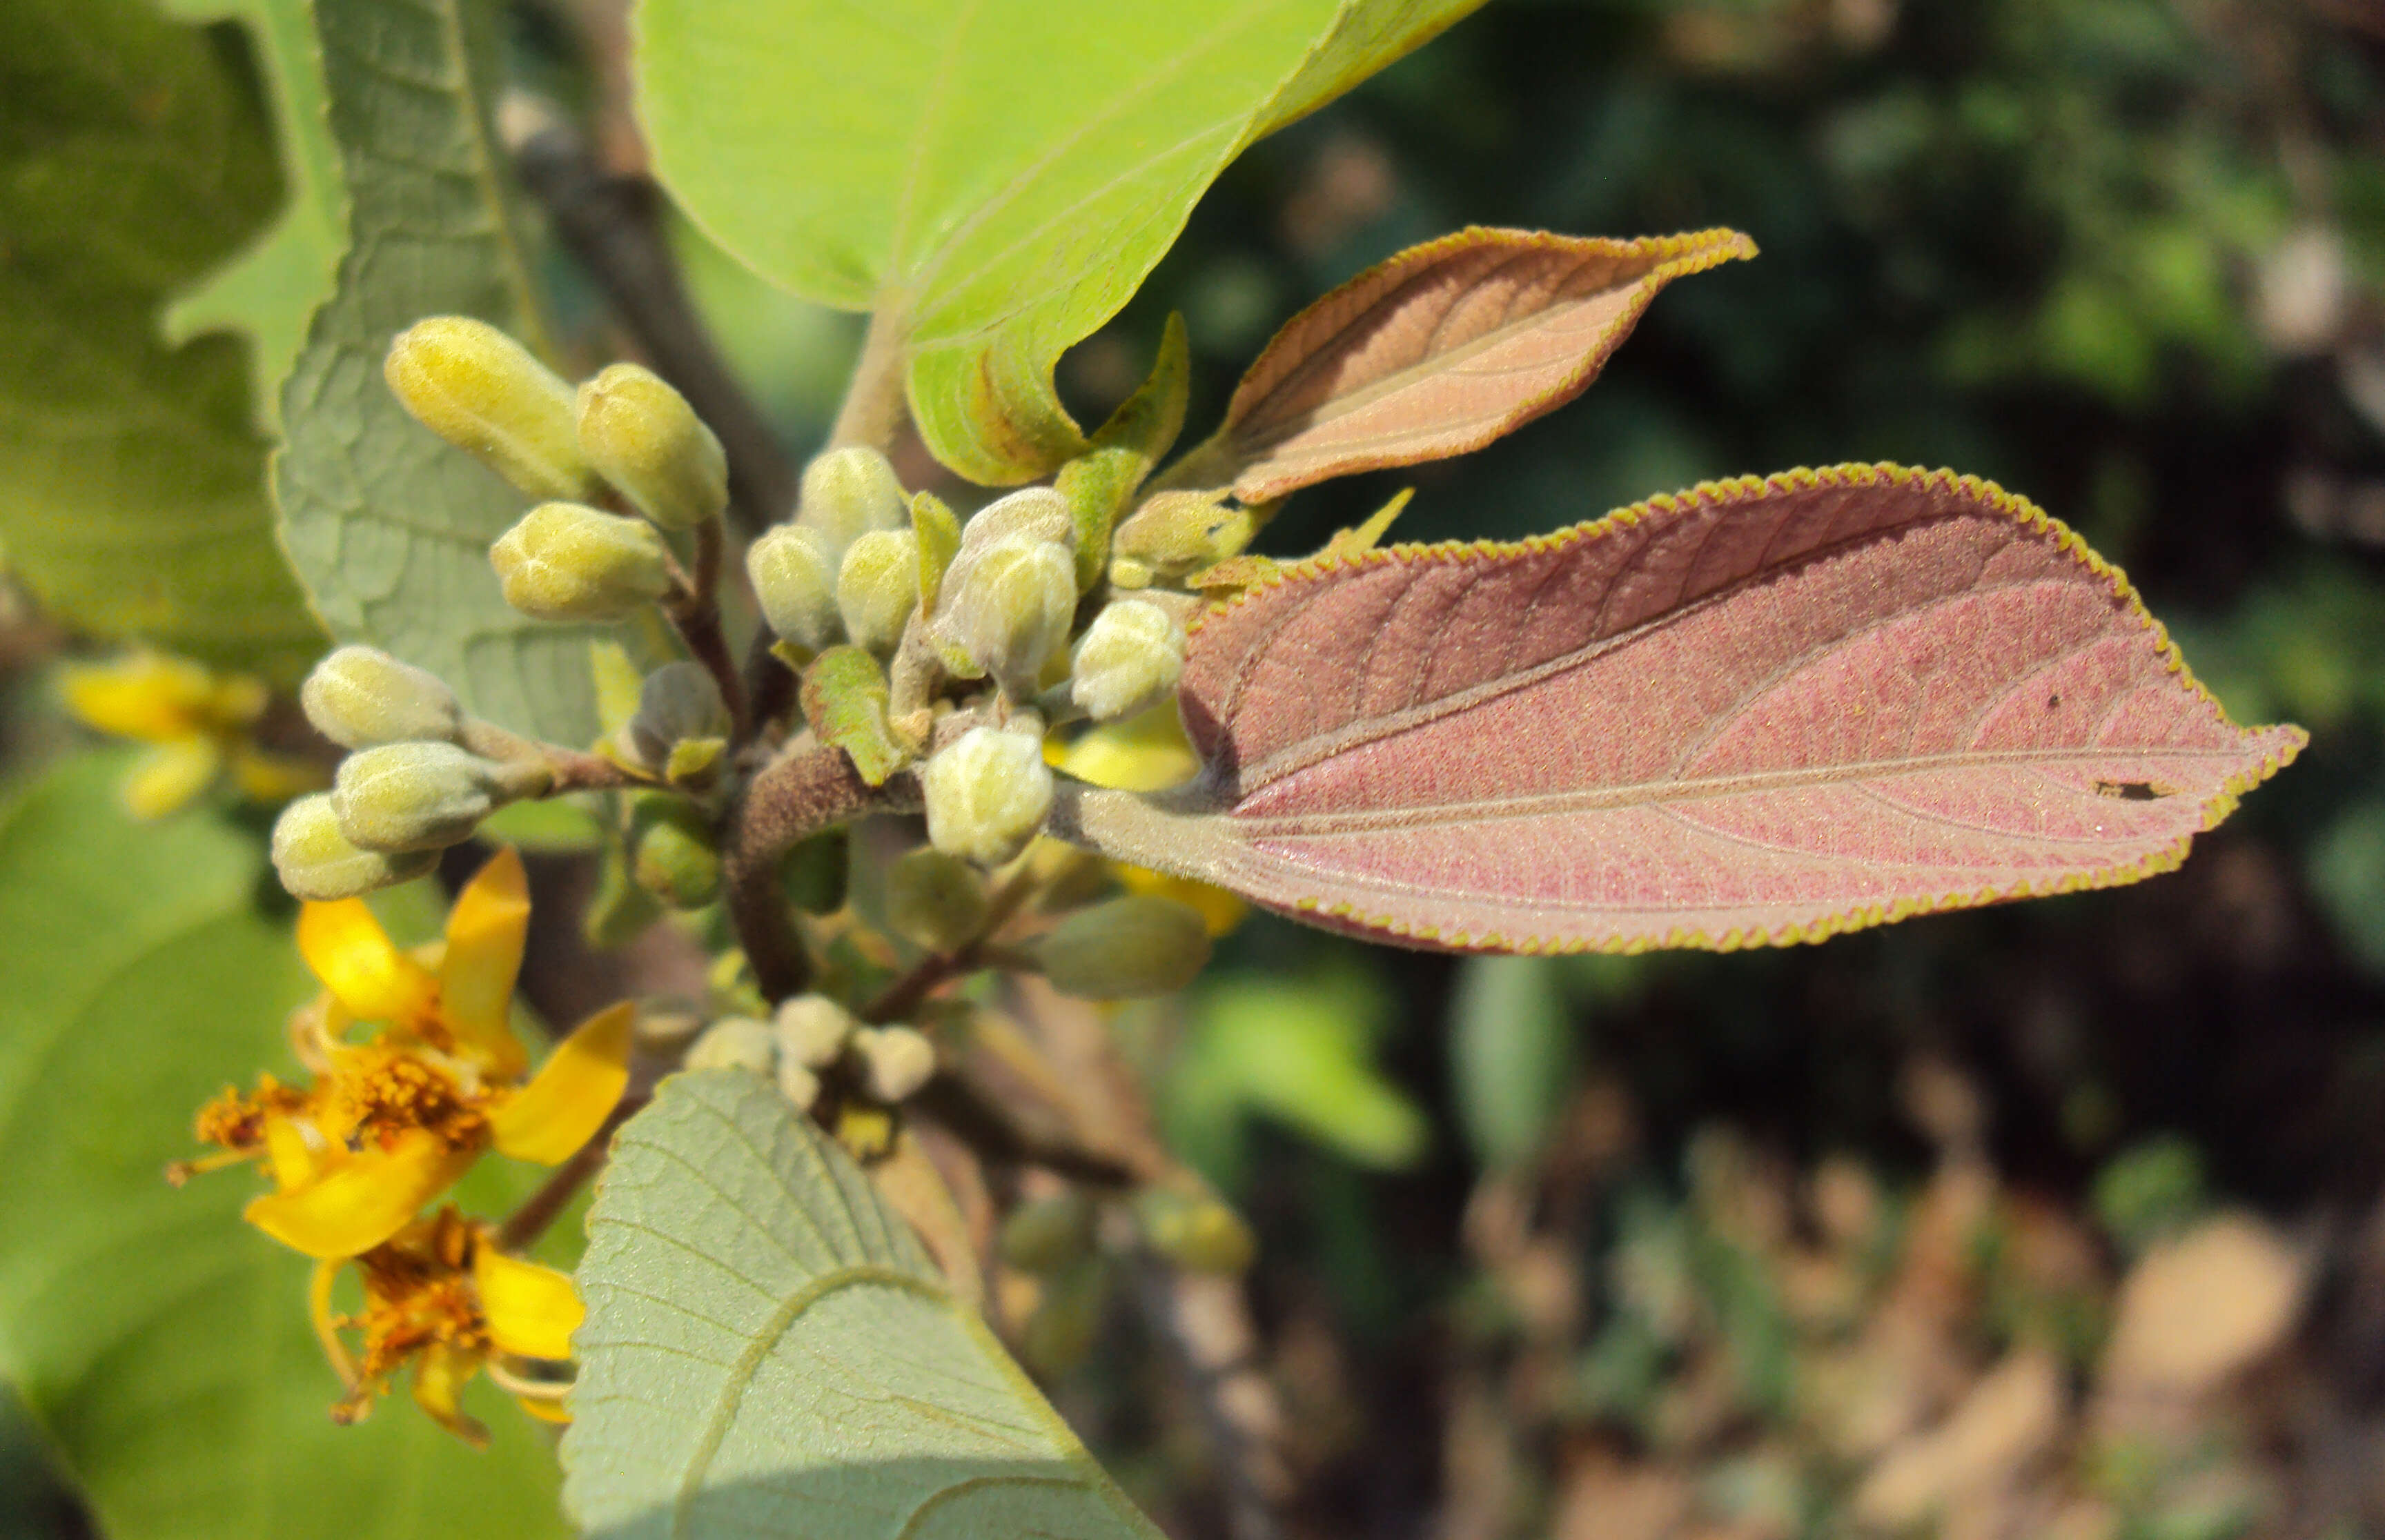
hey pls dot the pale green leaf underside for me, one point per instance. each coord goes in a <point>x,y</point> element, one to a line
<point>999,175</point>
<point>388,526</point>
<point>132,478</point>
<point>162,1342</point>
<point>270,290</point>
<point>769,1351</point>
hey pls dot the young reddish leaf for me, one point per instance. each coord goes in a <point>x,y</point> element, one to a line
<point>1757,713</point>
<point>1439,351</point>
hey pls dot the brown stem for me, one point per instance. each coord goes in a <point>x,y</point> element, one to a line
<point>575,771</point>
<point>613,224</point>
<point>872,412</point>
<point>810,786</point>
<point>982,1124</point>
<point>542,1208</point>
<point>695,614</point>
<point>903,996</point>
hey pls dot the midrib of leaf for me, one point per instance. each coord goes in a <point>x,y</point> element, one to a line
<point>531,314</point>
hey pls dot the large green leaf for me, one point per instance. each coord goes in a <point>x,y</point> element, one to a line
<point>769,1351</point>
<point>132,478</point>
<point>994,177</point>
<point>271,289</point>
<point>390,527</point>
<point>163,1343</point>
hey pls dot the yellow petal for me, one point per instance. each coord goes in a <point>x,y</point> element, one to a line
<point>144,696</point>
<point>545,1412</point>
<point>484,952</point>
<point>171,777</point>
<point>438,1381</point>
<point>288,1153</point>
<point>353,956</point>
<point>326,1320</point>
<point>354,1204</point>
<point>1148,753</point>
<point>573,1092</point>
<point>531,1311</point>
<point>264,777</point>
<point>1220,910</point>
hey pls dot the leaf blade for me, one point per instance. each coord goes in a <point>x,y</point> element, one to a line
<point>1437,351</point>
<point>1755,713</point>
<point>838,1389</point>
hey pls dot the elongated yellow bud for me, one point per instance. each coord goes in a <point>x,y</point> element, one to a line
<point>643,436</point>
<point>423,796</point>
<point>675,858</point>
<point>567,561</point>
<point>734,1043</point>
<point>935,900</point>
<point>358,697</point>
<point>483,392</point>
<point>794,581</point>
<point>987,794</point>
<point>1194,1230</point>
<point>1127,662</point>
<point>1013,610</point>
<point>812,1030</point>
<point>846,493</point>
<point>877,587</point>
<point>315,860</point>
<point>895,1061</point>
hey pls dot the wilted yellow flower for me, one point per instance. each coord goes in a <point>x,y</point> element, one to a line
<point>441,1296</point>
<point>200,725</point>
<point>392,1122</point>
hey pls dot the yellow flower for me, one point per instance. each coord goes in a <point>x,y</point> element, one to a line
<point>392,1122</point>
<point>200,723</point>
<point>1147,752</point>
<point>440,1295</point>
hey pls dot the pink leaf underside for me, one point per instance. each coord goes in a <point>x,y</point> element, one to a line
<point>1758,713</point>
<point>1443,348</point>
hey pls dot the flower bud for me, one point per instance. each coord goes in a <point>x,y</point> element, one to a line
<point>877,587</point>
<point>812,1030</point>
<point>643,436</point>
<point>1013,609</point>
<point>675,858</point>
<point>798,1085</point>
<point>1128,660</point>
<point>360,696</point>
<point>1194,1230</point>
<point>986,793</point>
<point>316,860</point>
<point>1047,1234</point>
<point>846,493</point>
<point>1175,534</point>
<point>895,1061</point>
<point>567,561</point>
<point>935,900</point>
<point>734,1043</point>
<point>794,581</point>
<point>1132,948</point>
<point>422,796</point>
<point>483,392</point>
<point>678,703</point>
<point>1061,1332</point>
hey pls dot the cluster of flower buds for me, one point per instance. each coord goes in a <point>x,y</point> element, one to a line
<point>1063,1243</point>
<point>420,775</point>
<point>624,437</point>
<point>810,1037</point>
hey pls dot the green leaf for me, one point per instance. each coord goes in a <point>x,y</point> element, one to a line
<point>1511,1055</point>
<point>271,289</point>
<point>769,1351</point>
<point>992,178</point>
<point>131,479</point>
<point>390,527</point>
<point>160,1341</point>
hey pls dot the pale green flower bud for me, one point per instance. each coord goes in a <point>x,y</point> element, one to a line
<point>1132,948</point>
<point>798,1084</point>
<point>1029,514</point>
<point>1127,662</point>
<point>1061,1332</point>
<point>987,794</point>
<point>895,1061</point>
<point>423,796</point>
<point>877,587</point>
<point>935,900</point>
<point>734,1043</point>
<point>846,493</point>
<point>795,580</point>
<point>812,1030</point>
<point>677,702</point>
<point>643,436</point>
<point>1014,609</point>
<point>1194,1230</point>
<point>483,392</point>
<point>675,858</point>
<point>360,696</point>
<point>567,561</point>
<point>317,860</point>
<point>1047,1234</point>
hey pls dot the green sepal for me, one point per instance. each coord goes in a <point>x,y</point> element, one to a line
<point>844,700</point>
<point>618,684</point>
<point>939,530</point>
<point>1100,483</point>
<point>693,760</point>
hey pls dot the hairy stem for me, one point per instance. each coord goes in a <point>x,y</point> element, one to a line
<point>810,786</point>
<point>873,402</point>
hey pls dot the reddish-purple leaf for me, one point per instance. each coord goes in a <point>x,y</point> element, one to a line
<point>1761,712</point>
<point>1439,351</point>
